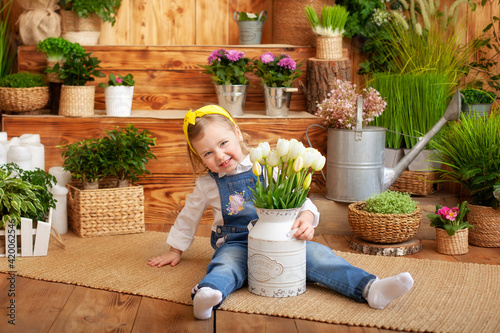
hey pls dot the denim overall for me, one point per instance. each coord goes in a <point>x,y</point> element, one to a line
<point>227,271</point>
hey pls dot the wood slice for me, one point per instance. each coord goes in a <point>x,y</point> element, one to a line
<point>321,76</point>
<point>413,245</point>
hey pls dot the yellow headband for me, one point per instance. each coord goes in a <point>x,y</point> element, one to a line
<point>190,118</point>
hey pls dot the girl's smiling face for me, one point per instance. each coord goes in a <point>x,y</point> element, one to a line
<point>219,147</point>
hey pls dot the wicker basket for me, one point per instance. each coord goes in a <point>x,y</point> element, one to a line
<point>456,244</point>
<point>105,211</point>
<point>383,228</point>
<point>329,48</point>
<point>417,182</point>
<point>77,101</point>
<point>486,222</point>
<point>23,99</point>
<point>53,77</point>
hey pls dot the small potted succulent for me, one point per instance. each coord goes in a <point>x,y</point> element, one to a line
<point>452,232</point>
<point>250,26</point>
<point>77,99</point>
<point>329,30</point>
<point>23,92</point>
<point>277,74</point>
<point>387,217</point>
<point>227,68</point>
<point>119,93</point>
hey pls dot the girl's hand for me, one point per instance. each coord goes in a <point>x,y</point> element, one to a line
<point>304,223</point>
<point>172,257</point>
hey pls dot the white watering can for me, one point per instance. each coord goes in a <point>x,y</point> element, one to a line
<point>355,158</point>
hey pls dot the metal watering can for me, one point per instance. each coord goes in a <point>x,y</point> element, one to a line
<point>355,158</point>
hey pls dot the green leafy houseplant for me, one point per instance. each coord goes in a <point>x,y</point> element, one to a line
<point>59,49</point>
<point>276,71</point>
<point>128,152</point>
<point>78,69</point>
<point>471,150</point>
<point>105,9</point>
<point>287,172</point>
<point>23,80</point>
<point>228,67</point>
<point>390,202</point>
<point>450,219</point>
<point>244,16</point>
<point>118,80</point>
<point>332,23</point>
<point>472,95</point>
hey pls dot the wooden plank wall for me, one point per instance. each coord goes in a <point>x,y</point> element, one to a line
<point>210,22</point>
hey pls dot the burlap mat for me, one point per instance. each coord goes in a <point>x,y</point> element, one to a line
<point>447,296</point>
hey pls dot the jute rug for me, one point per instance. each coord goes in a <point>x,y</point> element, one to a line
<point>447,296</point>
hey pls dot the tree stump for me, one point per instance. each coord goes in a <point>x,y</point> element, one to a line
<point>321,75</point>
<point>413,245</point>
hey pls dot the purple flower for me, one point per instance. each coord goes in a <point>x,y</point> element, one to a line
<point>215,55</point>
<point>267,57</point>
<point>234,55</point>
<point>287,63</point>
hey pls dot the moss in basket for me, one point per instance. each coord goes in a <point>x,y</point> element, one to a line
<point>390,202</point>
<point>23,80</point>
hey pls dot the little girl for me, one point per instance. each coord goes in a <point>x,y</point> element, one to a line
<point>216,145</point>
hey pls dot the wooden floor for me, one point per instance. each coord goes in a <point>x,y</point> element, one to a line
<point>55,307</point>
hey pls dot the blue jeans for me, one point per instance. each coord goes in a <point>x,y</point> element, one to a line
<point>227,271</point>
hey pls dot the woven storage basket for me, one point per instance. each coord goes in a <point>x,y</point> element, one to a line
<point>486,222</point>
<point>456,244</point>
<point>105,211</point>
<point>417,182</point>
<point>23,99</point>
<point>383,228</point>
<point>77,101</point>
<point>329,48</point>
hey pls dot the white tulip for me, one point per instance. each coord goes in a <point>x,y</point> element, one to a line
<point>264,146</point>
<point>282,147</point>
<point>273,159</point>
<point>308,156</point>
<point>257,169</point>
<point>296,149</point>
<point>256,155</point>
<point>319,163</point>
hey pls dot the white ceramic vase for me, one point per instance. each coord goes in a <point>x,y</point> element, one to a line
<point>276,260</point>
<point>119,100</point>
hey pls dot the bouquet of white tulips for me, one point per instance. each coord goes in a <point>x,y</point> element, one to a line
<point>287,173</point>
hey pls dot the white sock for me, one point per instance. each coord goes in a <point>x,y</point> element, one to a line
<point>382,292</point>
<point>204,300</point>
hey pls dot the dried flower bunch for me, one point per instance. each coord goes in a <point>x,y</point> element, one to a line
<point>287,172</point>
<point>338,110</point>
<point>276,71</point>
<point>228,67</point>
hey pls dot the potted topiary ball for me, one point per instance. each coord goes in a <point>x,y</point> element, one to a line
<point>387,217</point>
<point>24,93</point>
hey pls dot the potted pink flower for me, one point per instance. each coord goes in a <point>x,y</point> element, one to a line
<point>119,92</point>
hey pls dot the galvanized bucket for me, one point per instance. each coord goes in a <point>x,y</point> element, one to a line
<point>277,100</point>
<point>232,98</point>
<point>250,31</point>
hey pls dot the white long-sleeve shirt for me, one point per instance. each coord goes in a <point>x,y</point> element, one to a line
<point>206,194</point>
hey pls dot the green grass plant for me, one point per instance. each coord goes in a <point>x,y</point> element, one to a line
<point>471,150</point>
<point>7,50</point>
<point>332,22</point>
<point>390,202</point>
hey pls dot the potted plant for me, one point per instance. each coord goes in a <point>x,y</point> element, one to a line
<point>128,152</point>
<point>277,74</point>
<point>119,92</point>
<point>283,181</point>
<point>23,92</point>
<point>329,30</point>
<point>250,26</point>
<point>81,19</point>
<point>452,232</point>
<point>58,50</point>
<point>471,151</point>
<point>476,100</point>
<point>25,200</point>
<point>77,99</point>
<point>227,69</point>
<point>387,217</point>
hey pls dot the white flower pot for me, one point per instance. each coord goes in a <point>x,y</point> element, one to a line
<point>119,100</point>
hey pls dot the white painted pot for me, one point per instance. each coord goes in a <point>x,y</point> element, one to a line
<point>276,260</point>
<point>119,100</point>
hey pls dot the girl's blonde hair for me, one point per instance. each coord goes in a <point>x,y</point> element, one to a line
<point>198,129</point>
